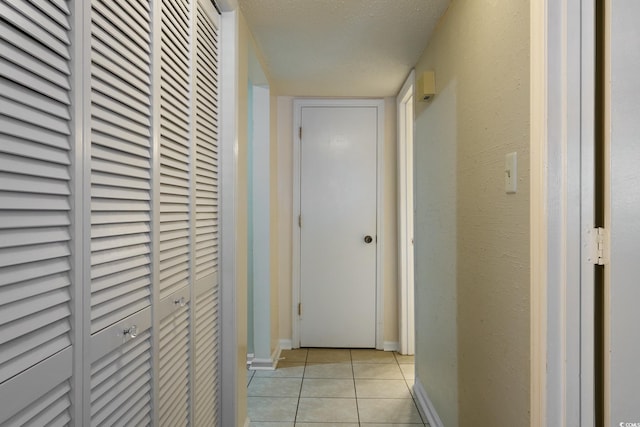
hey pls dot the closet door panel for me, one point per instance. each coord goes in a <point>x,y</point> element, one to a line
<point>120,160</point>
<point>36,199</point>
<point>175,215</point>
<point>120,374</point>
<point>40,395</point>
<point>120,366</point>
<point>174,340</point>
<point>206,165</point>
<point>175,143</point>
<point>206,360</point>
<point>206,354</point>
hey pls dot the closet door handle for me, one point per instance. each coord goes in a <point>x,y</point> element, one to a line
<point>131,331</point>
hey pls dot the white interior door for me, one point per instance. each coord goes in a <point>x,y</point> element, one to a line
<point>621,284</point>
<point>338,173</point>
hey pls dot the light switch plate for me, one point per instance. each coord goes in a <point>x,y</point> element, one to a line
<point>511,173</point>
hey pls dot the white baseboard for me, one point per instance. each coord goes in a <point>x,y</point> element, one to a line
<point>269,364</point>
<point>247,422</point>
<point>262,365</point>
<point>286,344</point>
<point>391,346</point>
<point>425,406</point>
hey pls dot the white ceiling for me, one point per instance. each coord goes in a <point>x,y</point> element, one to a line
<point>346,48</point>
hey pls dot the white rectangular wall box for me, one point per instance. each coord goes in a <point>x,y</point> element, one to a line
<point>426,85</point>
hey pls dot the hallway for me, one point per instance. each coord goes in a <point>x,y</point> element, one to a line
<point>334,387</point>
<point>144,144</point>
<point>471,239</point>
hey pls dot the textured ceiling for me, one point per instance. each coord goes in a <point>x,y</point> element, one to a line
<point>341,47</point>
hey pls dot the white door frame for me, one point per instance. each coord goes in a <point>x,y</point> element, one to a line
<point>261,214</point>
<point>405,99</point>
<point>562,109</point>
<point>228,176</point>
<point>297,108</point>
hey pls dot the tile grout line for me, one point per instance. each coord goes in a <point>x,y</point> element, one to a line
<point>304,370</point>
<point>351,360</point>
<point>355,390</point>
<point>413,398</point>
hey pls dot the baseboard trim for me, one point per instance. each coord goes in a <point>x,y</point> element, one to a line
<point>391,346</point>
<point>269,364</point>
<point>262,365</point>
<point>425,406</point>
<point>247,422</point>
<point>286,344</point>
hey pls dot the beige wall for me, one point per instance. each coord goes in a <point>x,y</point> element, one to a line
<point>247,51</point>
<point>285,215</point>
<point>258,76</point>
<point>472,239</point>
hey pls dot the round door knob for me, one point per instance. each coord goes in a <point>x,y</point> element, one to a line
<point>368,239</point>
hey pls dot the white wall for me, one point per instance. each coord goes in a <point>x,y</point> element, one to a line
<point>472,239</point>
<point>285,213</point>
<point>259,282</point>
<point>435,169</point>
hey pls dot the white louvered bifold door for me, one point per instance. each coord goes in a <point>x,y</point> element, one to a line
<point>174,214</point>
<point>109,213</point>
<point>121,374</point>
<point>206,355</point>
<point>36,244</point>
<point>173,382</point>
<point>175,162</point>
<point>120,160</point>
<point>120,211</point>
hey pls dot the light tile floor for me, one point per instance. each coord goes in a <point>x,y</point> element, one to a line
<point>334,388</point>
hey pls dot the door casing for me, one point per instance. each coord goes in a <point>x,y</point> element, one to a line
<point>562,193</point>
<point>298,104</point>
<point>406,125</point>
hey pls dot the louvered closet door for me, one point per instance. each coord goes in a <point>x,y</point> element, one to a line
<point>206,389</point>
<point>174,207</point>
<point>175,122</point>
<point>174,342</point>
<point>120,212</point>
<point>36,274</point>
<point>121,370</point>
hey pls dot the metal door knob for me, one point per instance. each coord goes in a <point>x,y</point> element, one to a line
<point>368,239</point>
<point>131,331</point>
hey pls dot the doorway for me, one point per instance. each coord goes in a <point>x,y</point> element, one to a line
<point>260,352</point>
<point>337,234</point>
